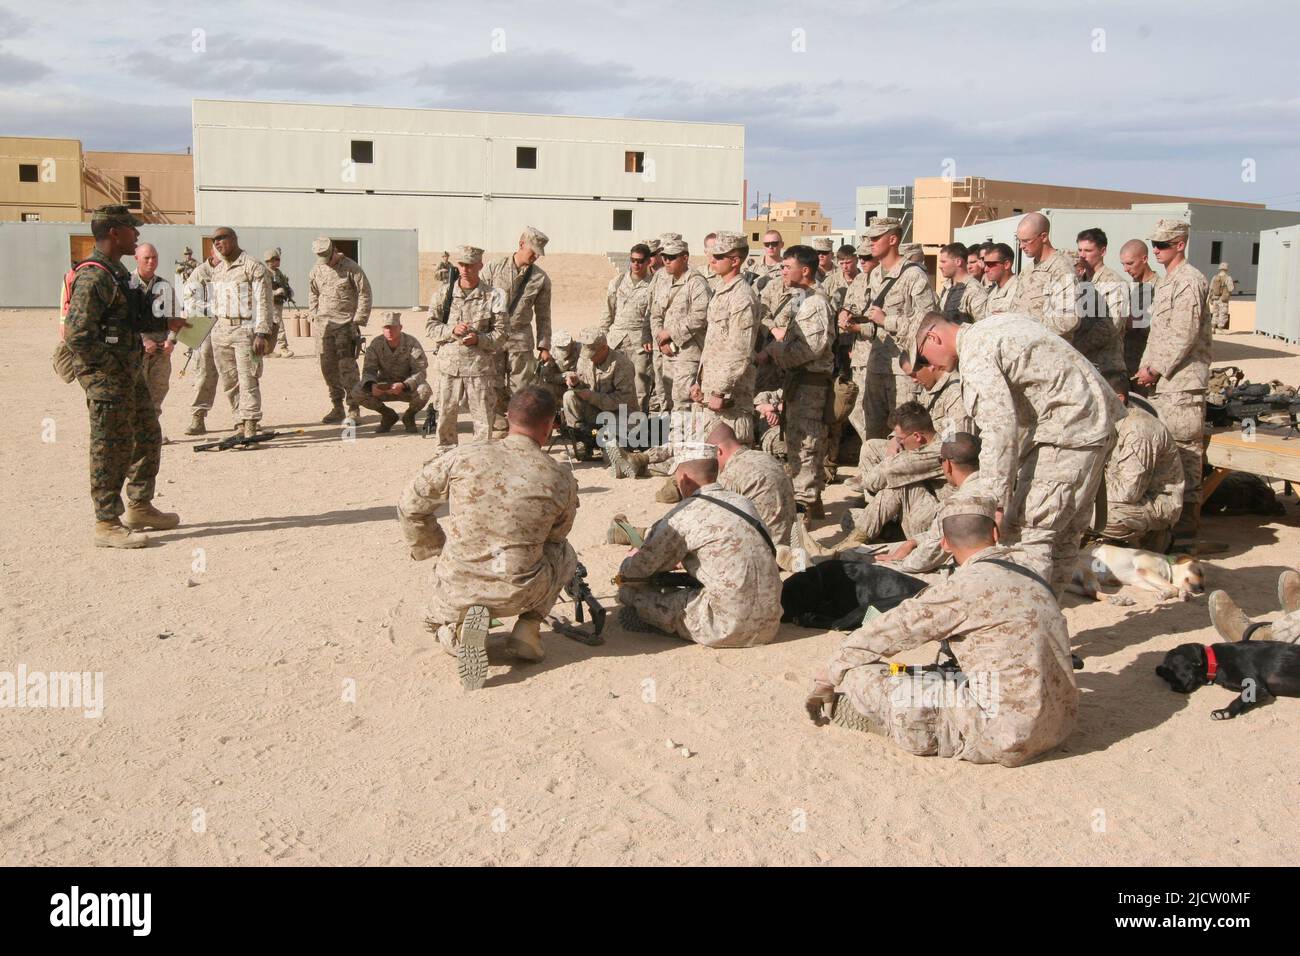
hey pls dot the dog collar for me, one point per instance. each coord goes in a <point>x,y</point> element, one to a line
<point>1211,664</point>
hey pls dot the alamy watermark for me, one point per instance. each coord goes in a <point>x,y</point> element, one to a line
<point>78,690</point>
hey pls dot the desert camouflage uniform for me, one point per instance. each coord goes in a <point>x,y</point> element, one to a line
<point>727,362</point>
<point>1011,640</point>
<point>776,309</point>
<point>760,276</point>
<point>739,604</point>
<point>1141,296</point>
<point>505,546</point>
<point>683,312</point>
<point>1287,628</point>
<point>550,374</point>
<point>762,479</point>
<point>627,328</point>
<point>386,365</point>
<point>928,555</point>
<point>1002,299</point>
<point>1144,477</point>
<point>157,364</point>
<point>1047,292</point>
<point>1219,296</point>
<point>1179,350</point>
<point>125,440</point>
<point>1100,336</point>
<point>871,361</point>
<point>196,296</point>
<point>240,298</point>
<point>517,359</point>
<point>661,377</point>
<point>909,299</point>
<point>339,305</point>
<point>946,407</point>
<point>807,359</point>
<point>466,372</point>
<point>963,301</point>
<point>1047,423</point>
<point>904,488</point>
<point>835,287</point>
<point>612,383</point>
<point>281,291</point>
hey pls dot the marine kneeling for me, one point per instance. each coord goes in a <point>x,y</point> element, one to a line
<point>506,550</point>
<point>1011,694</point>
<point>730,595</point>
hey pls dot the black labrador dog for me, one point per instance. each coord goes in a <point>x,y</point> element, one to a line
<point>1261,670</point>
<point>836,594</point>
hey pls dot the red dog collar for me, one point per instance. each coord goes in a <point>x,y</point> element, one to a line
<point>1211,664</point>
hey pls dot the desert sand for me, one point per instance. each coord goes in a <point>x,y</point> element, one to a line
<point>270,696</point>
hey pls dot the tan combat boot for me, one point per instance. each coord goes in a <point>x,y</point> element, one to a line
<point>143,516</point>
<point>1228,619</point>
<point>196,423</point>
<point>637,463</point>
<point>112,534</point>
<point>408,420</point>
<point>525,640</point>
<point>354,413</point>
<point>472,661</point>
<point>334,416</point>
<point>1288,591</point>
<point>247,429</point>
<point>668,493</point>
<point>387,419</point>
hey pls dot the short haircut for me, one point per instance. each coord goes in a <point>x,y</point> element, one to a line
<point>806,256</point>
<point>911,417</point>
<point>846,251</point>
<point>1135,247</point>
<point>774,232</point>
<point>722,434</point>
<point>530,407</point>
<point>962,449</point>
<point>99,228</point>
<point>712,235</point>
<point>640,249</point>
<point>968,531</point>
<point>703,471</point>
<point>955,250</point>
<point>1004,251</point>
<point>1093,235</point>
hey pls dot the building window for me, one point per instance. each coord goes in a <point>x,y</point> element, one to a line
<point>1254,254</point>
<point>525,157</point>
<point>1216,253</point>
<point>27,173</point>
<point>349,247</point>
<point>753,237</point>
<point>131,194</point>
<point>867,216</point>
<point>1016,212</point>
<point>622,220</point>
<point>31,217</point>
<point>633,162</point>
<point>363,151</point>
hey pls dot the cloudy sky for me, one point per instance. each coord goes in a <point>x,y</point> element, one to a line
<point>1173,96</point>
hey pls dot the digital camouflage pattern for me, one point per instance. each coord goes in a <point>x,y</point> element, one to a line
<point>386,365</point>
<point>1047,292</point>
<point>466,372</point>
<point>805,356</point>
<point>1144,478</point>
<point>727,364</point>
<point>763,480</point>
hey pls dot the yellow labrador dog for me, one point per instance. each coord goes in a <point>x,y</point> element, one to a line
<point>1170,577</point>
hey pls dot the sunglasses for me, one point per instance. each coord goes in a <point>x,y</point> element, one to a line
<point>671,256</point>
<point>866,258</point>
<point>771,244</point>
<point>990,263</point>
<point>636,261</point>
<point>1161,245</point>
<point>224,237</point>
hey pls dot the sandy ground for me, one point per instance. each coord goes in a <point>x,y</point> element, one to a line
<point>270,698</point>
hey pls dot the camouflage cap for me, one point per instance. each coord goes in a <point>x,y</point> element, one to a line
<point>654,244</point>
<point>880,225</point>
<point>468,255</point>
<point>675,247</point>
<point>666,236</point>
<point>1223,267</point>
<point>536,239</point>
<point>692,451</point>
<point>561,339</point>
<point>591,337</point>
<point>909,249</point>
<point>391,318</point>
<point>115,216</point>
<point>911,342</point>
<point>823,244</point>
<point>959,504</point>
<point>728,242</point>
<point>864,248</point>
<point>322,246</point>
<point>188,251</point>
<point>269,254</point>
<point>1169,230</point>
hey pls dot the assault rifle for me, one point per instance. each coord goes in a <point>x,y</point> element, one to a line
<point>579,590</point>
<point>230,441</point>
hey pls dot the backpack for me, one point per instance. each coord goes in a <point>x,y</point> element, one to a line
<point>62,357</point>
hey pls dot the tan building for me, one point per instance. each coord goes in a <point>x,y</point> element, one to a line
<point>159,187</point>
<point>941,205</point>
<point>806,213</point>
<point>791,233</point>
<point>40,179</point>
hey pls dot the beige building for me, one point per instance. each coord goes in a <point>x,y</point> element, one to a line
<point>40,179</point>
<point>806,213</point>
<point>942,205</point>
<point>158,187</point>
<point>791,233</point>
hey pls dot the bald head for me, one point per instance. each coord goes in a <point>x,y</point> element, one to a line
<point>146,260</point>
<point>702,471</point>
<point>1031,233</point>
<point>1031,224</point>
<point>723,435</point>
<point>1133,257</point>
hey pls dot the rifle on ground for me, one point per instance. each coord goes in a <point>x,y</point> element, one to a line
<point>662,579</point>
<point>430,426</point>
<point>579,590</point>
<point>230,441</point>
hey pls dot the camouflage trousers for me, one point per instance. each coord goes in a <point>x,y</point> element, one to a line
<point>913,505</point>
<point>479,392</point>
<point>643,365</point>
<point>1183,413</point>
<point>1055,492</point>
<point>683,370</point>
<point>910,711</point>
<point>516,370</point>
<point>238,367</point>
<point>415,400</point>
<point>449,599</point>
<point>805,442</point>
<point>125,446</point>
<point>206,382</point>
<point>1133,522</point>
<point>1219,314</point>
<point>337,349</point>
<point>1287,628</point>
<point>689,614</point>
<point>739,415</point>
<point>1135,343</point>
<point>158,376</point>
<point>875,402</point>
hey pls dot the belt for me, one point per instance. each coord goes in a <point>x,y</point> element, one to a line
<point>239,321</point>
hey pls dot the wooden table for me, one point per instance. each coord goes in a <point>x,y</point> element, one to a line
<point>1267,453</point>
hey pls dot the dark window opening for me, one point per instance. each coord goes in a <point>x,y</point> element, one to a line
<point>349,247</point>
<point>1254,254</point>
<point>27,173</point>
<point>1216,253</point>
<point>633,162</point>
<point>525,157</point>
<point>363,151</point>
<point>623,220</point>
<point>31,217</point>
<point>131,193</point>
<point>867,216</point>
